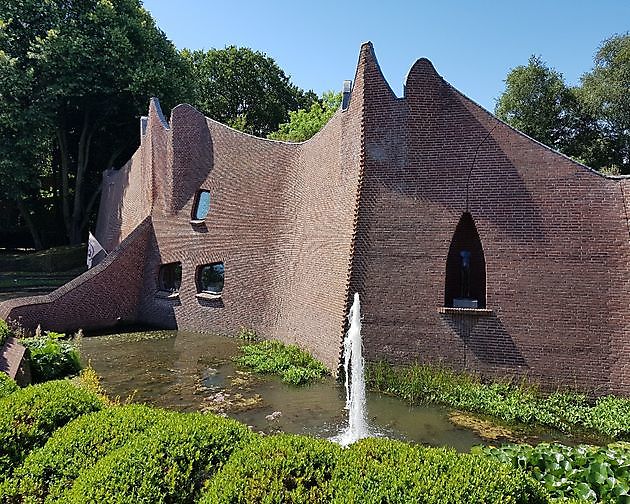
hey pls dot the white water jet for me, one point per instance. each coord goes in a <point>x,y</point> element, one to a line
<point>355,382</point>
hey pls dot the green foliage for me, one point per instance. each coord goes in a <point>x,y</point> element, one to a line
<point>287,468</point>
<point>247,334</point>
<point>244,88</point>
<point>5,332</point>
<point>30,415</point>
<point>293,364</point>
<point>587,473</point>
<point>509,402</point>
<point>276,469</point>
<point>48,472</point>
<point>7,385</point>
<point>75,77</point>
<point>168,463</point>
<point>51,357</point>
<point>374,471</point>
<point>304,123</point>
<point>590,122</point>
<point>534,101</point>
<point>604,92</point>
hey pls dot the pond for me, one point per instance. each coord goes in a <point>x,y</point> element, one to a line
<point>189,371</point>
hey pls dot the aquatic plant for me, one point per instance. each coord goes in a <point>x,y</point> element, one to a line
<point>293,364</point>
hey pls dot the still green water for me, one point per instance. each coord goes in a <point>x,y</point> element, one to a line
<point>189,371</point>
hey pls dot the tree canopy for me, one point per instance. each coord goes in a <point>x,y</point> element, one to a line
<point>589,122</point>
<point>244,88</point>
<point>304,123</point>
<point>76,77</point>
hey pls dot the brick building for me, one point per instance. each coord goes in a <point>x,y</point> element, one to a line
<point>469,243</point>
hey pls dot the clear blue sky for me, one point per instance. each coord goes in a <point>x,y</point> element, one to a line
<point>472,44</point>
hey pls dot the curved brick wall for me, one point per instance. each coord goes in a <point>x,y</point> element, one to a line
<point>370,204</point>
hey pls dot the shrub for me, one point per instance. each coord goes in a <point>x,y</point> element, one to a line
<point>30,415</point>
<point>51,470</point>
<point>588,473</point>
<point>293,364</point>
<point>51,357</point>
<point>274,469</point>
<point>168,463</point>
<point>5,332</point>
<point>381,470</point>
<point>7,385</point>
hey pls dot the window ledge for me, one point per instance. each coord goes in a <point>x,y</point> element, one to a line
<point>479,312</point>
<point>197,222</point>
<point>208,295</point>
<point>162,294</point>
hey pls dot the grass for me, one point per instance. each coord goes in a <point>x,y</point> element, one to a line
<point>293,364</point>
<point>509,402</point>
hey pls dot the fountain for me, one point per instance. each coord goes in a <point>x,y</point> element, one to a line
<point>354,382</point>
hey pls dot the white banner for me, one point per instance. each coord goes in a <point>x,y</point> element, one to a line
<point>94,247</point>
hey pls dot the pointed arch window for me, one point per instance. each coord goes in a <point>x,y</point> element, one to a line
<point>465,285</point>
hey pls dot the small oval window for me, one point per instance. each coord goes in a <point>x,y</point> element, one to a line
<point>202,205</point>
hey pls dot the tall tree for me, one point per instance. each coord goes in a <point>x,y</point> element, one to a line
<point>304,123</point>
<point>83,72</point>
<point>245,89</point>
<point>535,101</point>
<point>605,92</point>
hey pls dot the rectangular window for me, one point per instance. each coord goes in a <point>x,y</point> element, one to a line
<point>202,205</point>
<point>210,278</point>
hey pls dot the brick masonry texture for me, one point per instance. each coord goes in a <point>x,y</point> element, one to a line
<point>370,204</point>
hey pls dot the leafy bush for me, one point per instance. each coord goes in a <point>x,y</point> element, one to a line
<point>588,473</point>
<point>296,469</point>
<point>168,463</point>
<point>5,332</point>
<point>512,403</point>
<point>281,468</point>
<point>7,385</point>
<point>30,415</point>
<point>51,357</point>
<point>293,364</point>
<point>382,470</point>
<point>48,472</point>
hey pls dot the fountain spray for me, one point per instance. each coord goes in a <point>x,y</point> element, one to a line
<point>354,379</point>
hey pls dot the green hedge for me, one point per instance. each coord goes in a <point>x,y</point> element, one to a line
<point>589,473</point>
<point>281,468</point>
<point>512,403</point>
<point>293,364</point>
<point>286,468</point>
<point>51,470</point>
<point>30,415</point>
<point>168,463</point>
<point>381,470</point>
<point>7,385</point>
<point>52,357</point>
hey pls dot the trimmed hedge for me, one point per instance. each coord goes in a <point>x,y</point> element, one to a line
<point>7,385</point>
<point>48,472</point>
<point>168,463</point>
<point>281,468</point>
<point>382,470</point>
<point>286,468</point>
<point>29,416</point>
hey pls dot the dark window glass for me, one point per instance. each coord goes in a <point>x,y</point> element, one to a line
<point>202,205</point>
<point>210,278</point>
<point>170,277</point>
